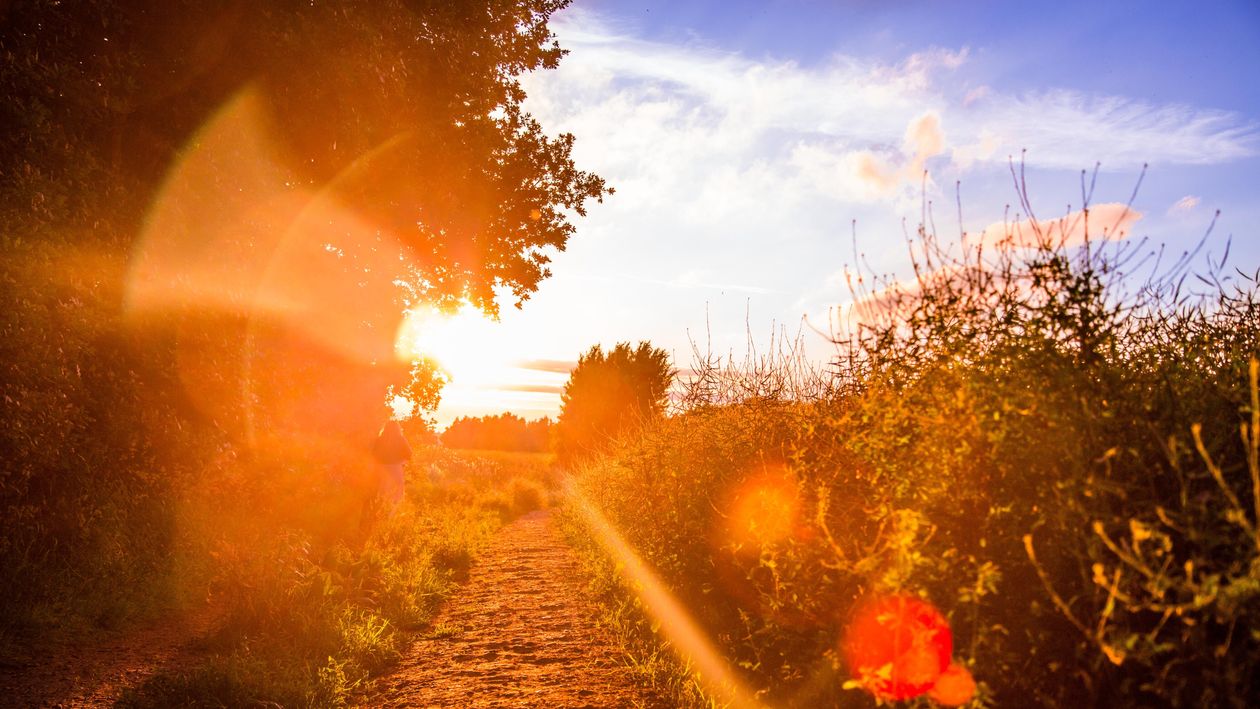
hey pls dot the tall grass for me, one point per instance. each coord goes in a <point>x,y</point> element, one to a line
<point>1032,434</point>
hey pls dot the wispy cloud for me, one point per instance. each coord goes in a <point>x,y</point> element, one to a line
<point>690,100</point>
<point>533,388</point>
<point>1185,205</point>
<point>1064,128</point>
<point>555,366</point>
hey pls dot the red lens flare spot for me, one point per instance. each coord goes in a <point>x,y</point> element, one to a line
<point>955,687</point>
<point>898,647</point>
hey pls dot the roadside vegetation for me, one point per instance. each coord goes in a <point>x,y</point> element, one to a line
<point>1052,447</point>
<point>309,620</point>
<point>607,394</point>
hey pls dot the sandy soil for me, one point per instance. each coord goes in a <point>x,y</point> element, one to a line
<point>520,634</point>
<point>96,674</point>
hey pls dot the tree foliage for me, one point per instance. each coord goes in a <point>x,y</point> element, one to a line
<point>405,115</point>
<point>423,97</point>
<point>609,393</point>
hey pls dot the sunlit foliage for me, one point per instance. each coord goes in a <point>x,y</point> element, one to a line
<point>610,393</point>
<point>1036,439</point>
<point>310,618</point>
<point>213,218</point>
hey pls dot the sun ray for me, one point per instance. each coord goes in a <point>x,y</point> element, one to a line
<point>688,639</point>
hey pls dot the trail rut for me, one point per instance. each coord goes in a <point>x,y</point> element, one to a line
<point>518,634</point>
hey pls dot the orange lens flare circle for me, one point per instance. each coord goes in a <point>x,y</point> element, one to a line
<point>898,647</point>
<point>955,688</point>
<point>762,510</point>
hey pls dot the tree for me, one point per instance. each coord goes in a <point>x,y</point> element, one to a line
<point>402,119</point>
<point>607,394</point>
<point>407,110</point>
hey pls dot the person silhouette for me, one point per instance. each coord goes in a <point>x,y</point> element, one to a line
<point>391,452</point>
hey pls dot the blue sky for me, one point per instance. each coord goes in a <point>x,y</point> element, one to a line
<point>744,139</point>
<point>1195,52</point>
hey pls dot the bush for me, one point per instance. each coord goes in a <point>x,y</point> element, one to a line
<point>1051,460</point>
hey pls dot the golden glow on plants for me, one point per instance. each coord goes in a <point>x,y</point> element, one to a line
<point>688,639</point>
<point>764,509</point>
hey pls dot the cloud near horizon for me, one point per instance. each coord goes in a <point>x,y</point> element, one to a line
<point>1112,221</point>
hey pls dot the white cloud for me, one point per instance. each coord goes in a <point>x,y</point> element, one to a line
<point>1184,205</point>
<point>652,95</point>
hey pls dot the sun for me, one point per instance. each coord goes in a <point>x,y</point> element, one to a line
<point>466,345</point>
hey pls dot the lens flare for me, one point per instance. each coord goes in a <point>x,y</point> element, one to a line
<point>898,647</point>
<point>466,344</point>
<point>401,407</point>
<point>955,687</point>
<point>283,294</point>
<point>686,637</point>
<point>764,509</point>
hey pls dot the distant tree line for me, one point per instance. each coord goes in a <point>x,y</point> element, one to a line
<point>608,394</point>
<point>504,432</point>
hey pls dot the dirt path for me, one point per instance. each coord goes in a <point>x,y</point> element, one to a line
<point>95,675</point>
<point>519,634</point>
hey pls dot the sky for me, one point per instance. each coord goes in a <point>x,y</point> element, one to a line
<point>751,144</point>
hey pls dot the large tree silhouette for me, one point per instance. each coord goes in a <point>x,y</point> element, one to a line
<point>99,96</point>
